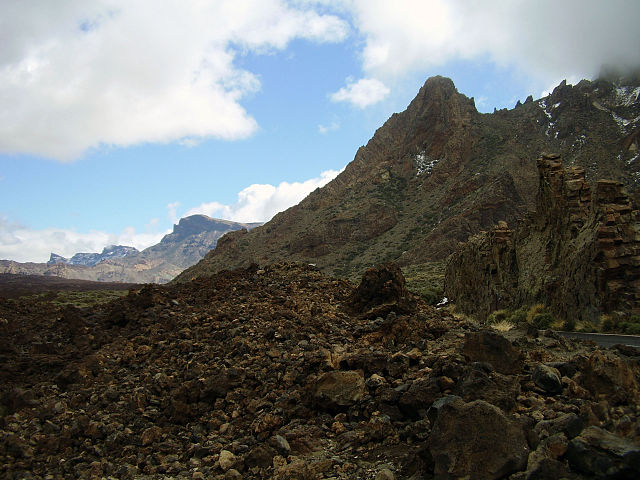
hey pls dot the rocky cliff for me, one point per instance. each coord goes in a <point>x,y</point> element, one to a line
<point>190,240</point>
<point>579,253</point>
<point>440,172</point>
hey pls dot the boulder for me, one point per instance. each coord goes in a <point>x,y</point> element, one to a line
<point>604,455</point>
<point>493,348</point>
<point>415,402</point>
<point>380,286</point>
<point>492,387</point>
<point>609,376</point>
<point>476,440</point>
<point>339,390</point>
<point>547,378</point>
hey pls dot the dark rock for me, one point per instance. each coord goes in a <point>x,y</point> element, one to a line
<point>494,388</point>
<point>497,449</point>
<point>434,409</point>
<point>260,456</point>
<point>415,402</point>
<point>339,390</point>
<point>604,455</point>
<point>382,285</point>
<point>603,374</point>
<point>493,348</point>
<point>547,378</point>
<point>569,423</point>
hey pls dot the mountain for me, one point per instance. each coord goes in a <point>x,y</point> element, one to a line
<point>440,172</point>
<point>90,259</point>
<point>190,240</point>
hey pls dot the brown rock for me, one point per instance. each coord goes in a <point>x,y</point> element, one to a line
<point>381,285</point>
<point>603,374</point>
<point>476,440</point>
<point>493,348</point>
<point>340,389</point>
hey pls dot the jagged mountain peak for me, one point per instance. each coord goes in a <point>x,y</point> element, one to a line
<point>439,172</point>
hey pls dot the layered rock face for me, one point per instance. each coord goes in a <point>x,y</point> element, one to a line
<point>579,253</point>
<point>440,172</point>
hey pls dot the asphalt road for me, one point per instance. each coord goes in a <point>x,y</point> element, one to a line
<point>604,339</point>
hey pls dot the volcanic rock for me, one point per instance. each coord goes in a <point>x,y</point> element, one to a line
<point>547,378</point>
<point>493,348</point>
<point>498,447</point>
<point>604,455</point>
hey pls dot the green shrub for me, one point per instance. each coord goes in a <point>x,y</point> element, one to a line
<point>632,329</point>
<point>519,316</point>
<point>499,316</point>
<point>542,320</point>
<point>431,295</point>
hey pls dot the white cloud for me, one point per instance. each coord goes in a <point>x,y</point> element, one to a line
<point>172,211</point>
<point>76,75</point>
<point>364,92</point>
<point>333,126</point>
<point>545,39</point>
<point>260,202</point>
<point>23,244</point>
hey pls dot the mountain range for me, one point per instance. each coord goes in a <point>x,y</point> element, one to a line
<point>440,172</point>
<point>190,240</point>
<point>91,259</point>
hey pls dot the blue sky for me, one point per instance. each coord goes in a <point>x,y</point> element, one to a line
<point>117,118</point>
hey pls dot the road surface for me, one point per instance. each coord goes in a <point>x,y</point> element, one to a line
<point>604,339</point>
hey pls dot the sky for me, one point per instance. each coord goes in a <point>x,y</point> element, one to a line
<point>119,117</point>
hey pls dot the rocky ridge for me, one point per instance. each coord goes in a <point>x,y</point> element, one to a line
<point>440,172</point>
<point>579,253</point>
<point>191,239</point>
<point>91,259</point>
<point>281,372</point>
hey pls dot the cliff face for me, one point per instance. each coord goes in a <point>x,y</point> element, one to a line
<point>440,172</point>
<point>579,252</point>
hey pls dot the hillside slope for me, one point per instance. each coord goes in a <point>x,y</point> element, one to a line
<point>440,172</point>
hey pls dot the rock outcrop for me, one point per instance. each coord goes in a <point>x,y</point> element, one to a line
<point>579,253</point>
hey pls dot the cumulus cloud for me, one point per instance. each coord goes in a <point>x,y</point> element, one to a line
<point>76,75</point>
<point>24,244</point>
<point>260,202</point>
<point>546,39</point>
<point>364,92</point>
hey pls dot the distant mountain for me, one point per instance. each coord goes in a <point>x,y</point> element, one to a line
<point>91,259</point>
<point>440,172</point>
<point>190,240</point>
